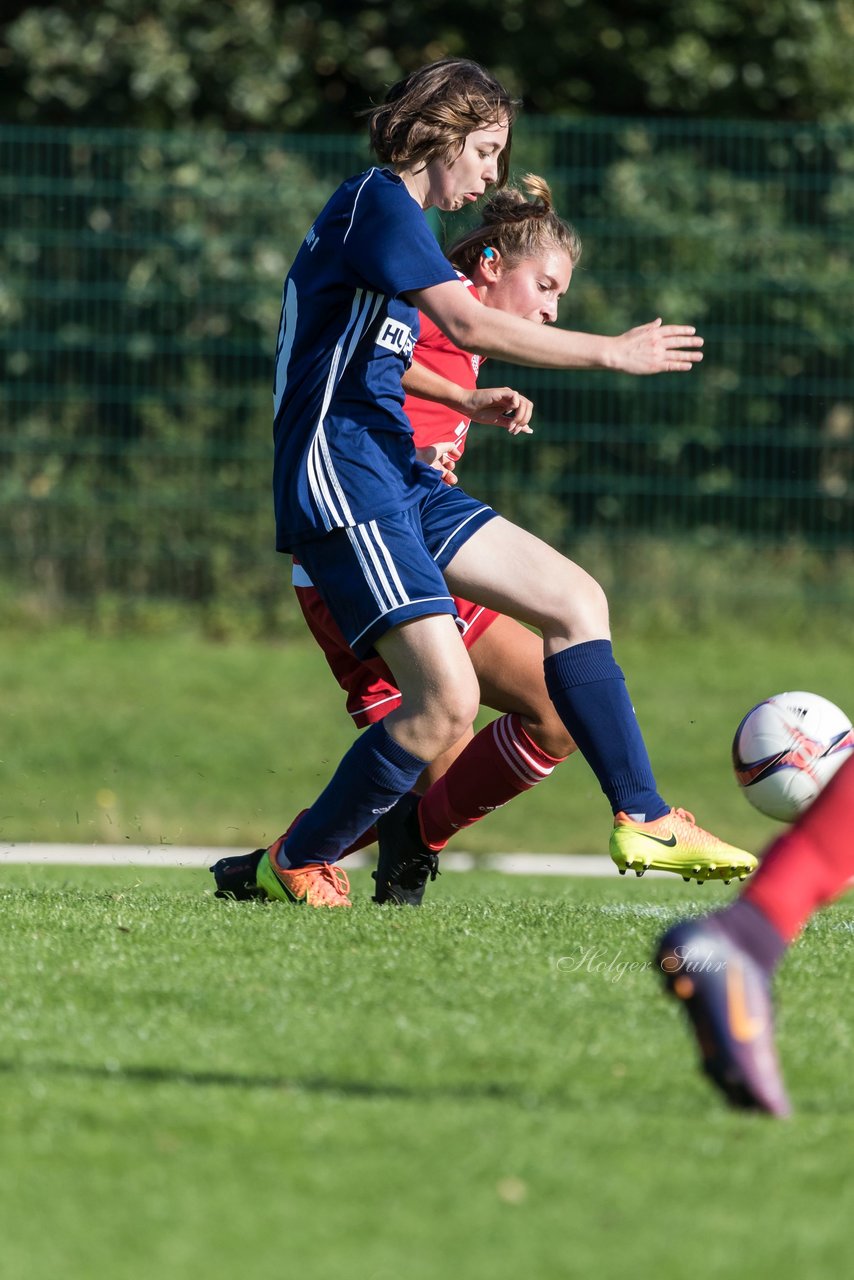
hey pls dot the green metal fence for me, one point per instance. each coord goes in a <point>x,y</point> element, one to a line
<point>140,279</point>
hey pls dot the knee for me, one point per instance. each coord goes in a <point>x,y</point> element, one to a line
<point>582,610</point>
<point>592,606</point>
<point>436,716</point>
<point>457,707</point>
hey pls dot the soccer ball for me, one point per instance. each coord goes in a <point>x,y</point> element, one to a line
<point>787,748</point>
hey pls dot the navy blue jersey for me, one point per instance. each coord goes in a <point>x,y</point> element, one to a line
<point>343,445</point>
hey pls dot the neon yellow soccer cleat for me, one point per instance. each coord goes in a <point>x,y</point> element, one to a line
<point>675,843</point>
<point>319,884</point>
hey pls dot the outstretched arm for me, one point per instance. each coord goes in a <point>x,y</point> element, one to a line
<point>649,348</point>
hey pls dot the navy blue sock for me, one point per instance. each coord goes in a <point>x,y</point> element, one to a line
<point>589,692</point>
<point>371,777</point>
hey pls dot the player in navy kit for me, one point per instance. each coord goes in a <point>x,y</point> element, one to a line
<point>385,541</point>
<point>519,259</point>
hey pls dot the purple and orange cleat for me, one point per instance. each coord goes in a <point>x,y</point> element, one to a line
<point>727,997</point>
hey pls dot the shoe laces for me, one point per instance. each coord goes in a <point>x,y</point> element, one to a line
<point>337,878</point>
<point>416,868</point>
<point>431,861</point>
<point>326,879</point>
<point>700,838</point>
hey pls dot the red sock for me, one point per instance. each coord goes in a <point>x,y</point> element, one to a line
<point>811,864</point>
<point>499,763</point>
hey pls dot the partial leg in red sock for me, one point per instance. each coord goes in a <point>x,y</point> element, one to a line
<point>812,863</point>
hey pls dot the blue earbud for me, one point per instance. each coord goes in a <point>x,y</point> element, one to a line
<point>489,254</point>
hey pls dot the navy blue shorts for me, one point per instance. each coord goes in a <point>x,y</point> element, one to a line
<point>376,575</point>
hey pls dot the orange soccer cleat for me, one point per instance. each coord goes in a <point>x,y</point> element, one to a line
<point>317,884</point>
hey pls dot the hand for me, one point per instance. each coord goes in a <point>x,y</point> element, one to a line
<point>442,457</point>
<point>658,348</point>
<point>501,407</point>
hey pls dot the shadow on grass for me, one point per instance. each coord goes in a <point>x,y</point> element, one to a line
<point>487,1091</point>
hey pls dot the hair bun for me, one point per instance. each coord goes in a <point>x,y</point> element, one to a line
<point>518,221</point>
<point>531,199</point>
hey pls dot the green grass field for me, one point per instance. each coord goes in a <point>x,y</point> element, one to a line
<point>491,1087</point>
<point>178,740</point>
<point>486,1089</point>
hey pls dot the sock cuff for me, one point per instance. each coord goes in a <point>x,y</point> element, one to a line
<point>437,844</point>
<point>748,925</point>
<point>581,664</point>
<point>390,758</point>
<point>518,731</point>
<point>634,791</point>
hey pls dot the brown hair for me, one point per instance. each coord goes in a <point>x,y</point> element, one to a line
<point>431,112</point>
<point>519,224</point>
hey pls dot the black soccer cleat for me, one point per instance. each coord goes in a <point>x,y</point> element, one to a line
<point>405,864</point>
<point>235,877</point>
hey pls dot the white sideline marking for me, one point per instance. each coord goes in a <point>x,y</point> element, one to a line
<point>121,855</point>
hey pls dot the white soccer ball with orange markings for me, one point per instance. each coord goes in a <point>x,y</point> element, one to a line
<point>787,749</point>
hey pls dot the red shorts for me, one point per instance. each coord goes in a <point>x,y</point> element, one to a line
<point>367,682</point>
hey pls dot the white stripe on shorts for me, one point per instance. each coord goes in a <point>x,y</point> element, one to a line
<point>465,624</point>
<point>385,613</point>
<point>461,525</point>
<point>374,558</point>
<point>392,567</point>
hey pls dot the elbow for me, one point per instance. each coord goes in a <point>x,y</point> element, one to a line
<point>466,333</point>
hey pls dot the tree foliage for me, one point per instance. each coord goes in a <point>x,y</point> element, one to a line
<point>140,282</point>
<point>246,64</point>
<point>141,269</point>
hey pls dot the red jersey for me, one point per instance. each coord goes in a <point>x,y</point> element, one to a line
<point>434,423</point>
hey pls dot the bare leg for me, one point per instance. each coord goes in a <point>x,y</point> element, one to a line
<point>440,695</point>
<point>508,661</point>
<point>510,570</point>
<point>439,688</point>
